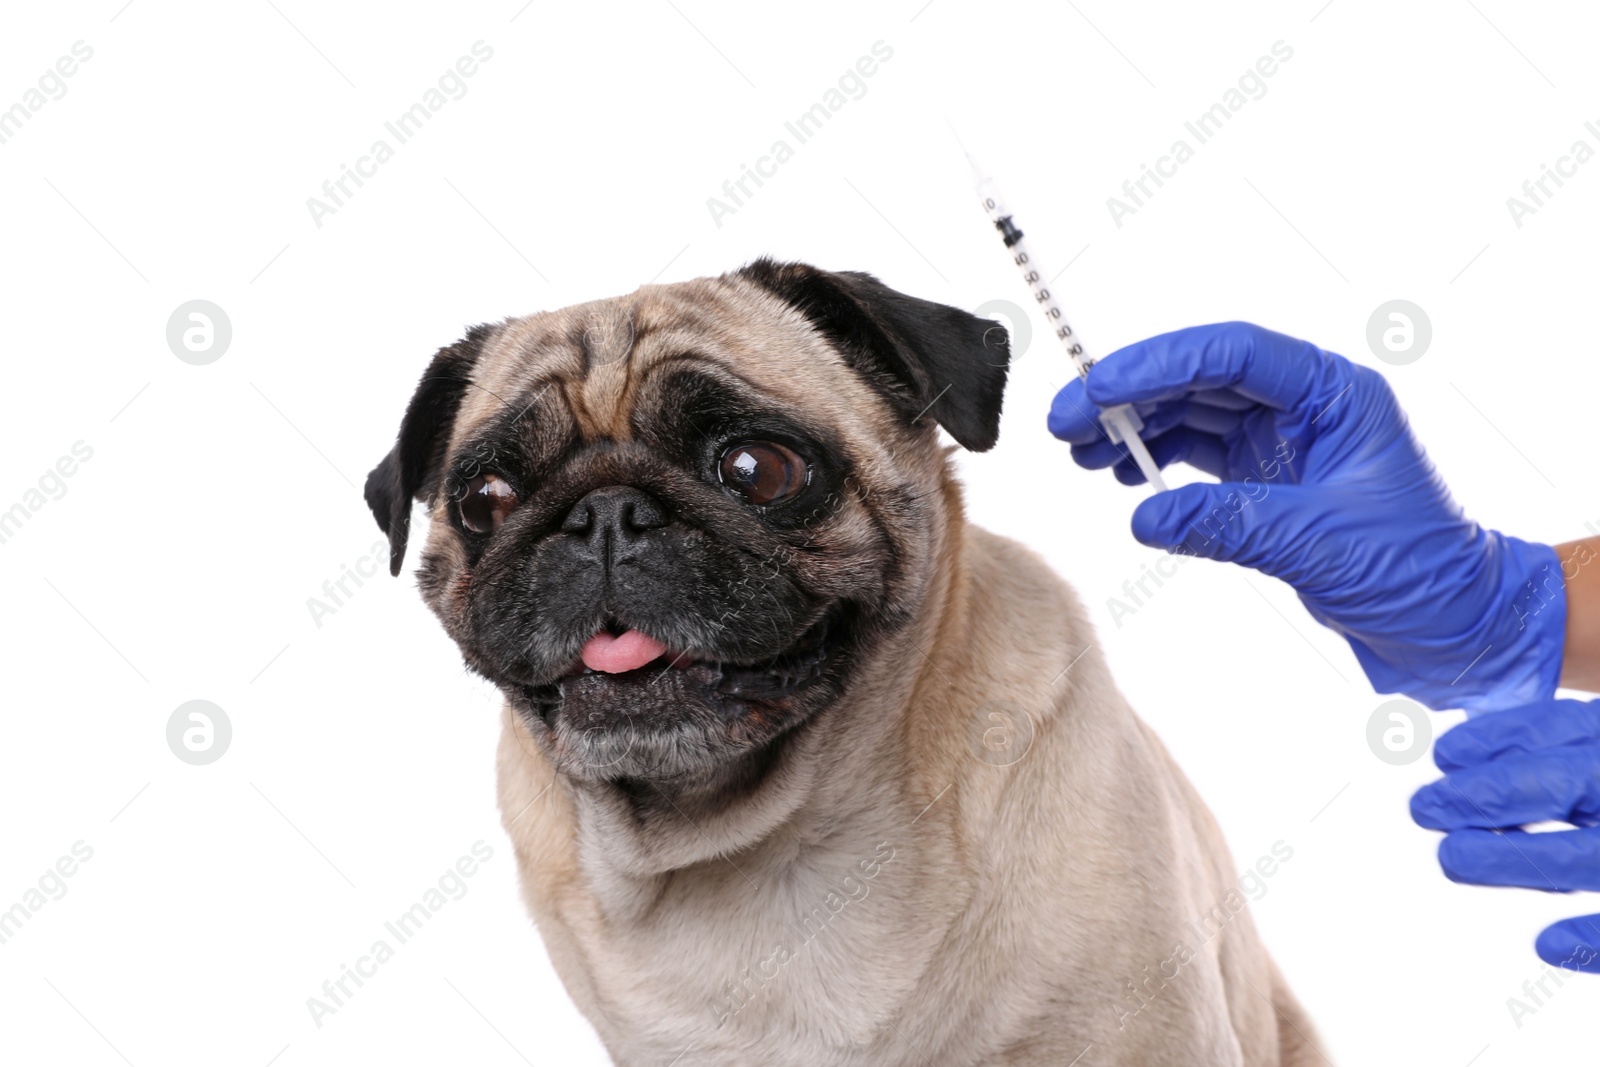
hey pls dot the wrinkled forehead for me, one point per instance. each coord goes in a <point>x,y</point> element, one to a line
<point>596,359</point>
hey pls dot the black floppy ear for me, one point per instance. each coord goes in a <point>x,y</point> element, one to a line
<point>410,470</point>
<point>924,357</point>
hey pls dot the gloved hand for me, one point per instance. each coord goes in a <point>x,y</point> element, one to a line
<point>1532,764</point>
<point>1325,487</point>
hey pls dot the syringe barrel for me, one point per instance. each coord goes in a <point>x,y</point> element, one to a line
<point>1121,422</point>
<point>1033,274</point>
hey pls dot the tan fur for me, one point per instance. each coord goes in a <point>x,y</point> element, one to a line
<point>1009,907</point>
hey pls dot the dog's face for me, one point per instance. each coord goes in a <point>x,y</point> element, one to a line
<point>673,527</point>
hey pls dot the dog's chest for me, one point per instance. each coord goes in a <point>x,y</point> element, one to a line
<point>816,960</point>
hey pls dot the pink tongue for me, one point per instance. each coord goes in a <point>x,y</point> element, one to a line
<point>613,655</point>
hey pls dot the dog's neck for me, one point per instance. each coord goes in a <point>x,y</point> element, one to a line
<point>825,783</point>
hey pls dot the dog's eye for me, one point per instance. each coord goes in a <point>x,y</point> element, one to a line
<point>487,502</point>
<point>763,472</point>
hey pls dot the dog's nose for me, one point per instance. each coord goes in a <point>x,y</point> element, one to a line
<point>613,516</point>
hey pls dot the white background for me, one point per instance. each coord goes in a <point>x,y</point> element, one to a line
<point>219,498</point>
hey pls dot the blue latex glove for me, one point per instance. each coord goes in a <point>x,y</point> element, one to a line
<point>1504,771</point>
<point>1325,487</point>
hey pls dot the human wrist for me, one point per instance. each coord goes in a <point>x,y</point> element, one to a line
<point>1580,664</point>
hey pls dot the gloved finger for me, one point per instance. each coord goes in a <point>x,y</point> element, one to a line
<point>1097,455</point>
<point>1210,418</point>
<point>1515,790</point>
<point>1556,862</point>
<point>1073,418</point>
<point>1182,445</point>
<point>1547,724</point>
<point>1159,418</point>
<point>1258,364</point>
<point>1255,525</point>
<point>1572,943</point>
<point>1104,453</point>
<point>1226,399</point>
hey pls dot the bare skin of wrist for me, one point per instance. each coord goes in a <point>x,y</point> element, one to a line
<point>1580,568</point>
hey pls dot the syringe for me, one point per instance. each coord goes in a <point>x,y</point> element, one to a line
<point>1122,423</point>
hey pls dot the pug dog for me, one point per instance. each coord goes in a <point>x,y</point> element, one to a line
<point>800,767</point>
